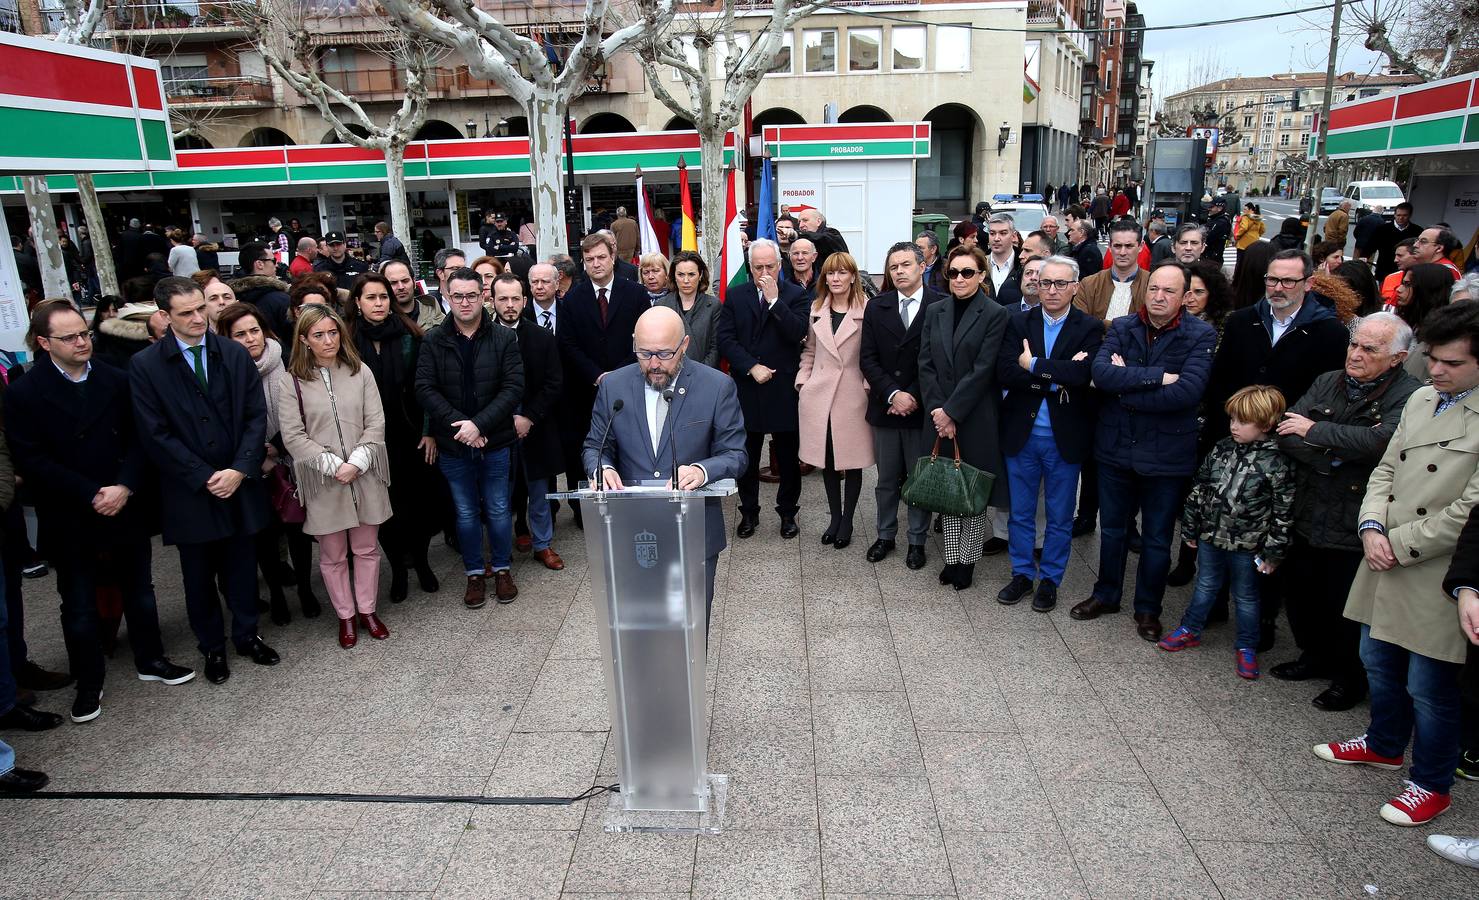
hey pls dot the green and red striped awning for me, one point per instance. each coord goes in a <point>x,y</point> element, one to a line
<point>884,140</point>
<point>76,109</point>
<point>1437,117</point>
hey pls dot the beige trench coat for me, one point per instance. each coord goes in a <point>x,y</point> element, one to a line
<point>1422,491</point>
<point>333,507</point>
<point>833,391</point>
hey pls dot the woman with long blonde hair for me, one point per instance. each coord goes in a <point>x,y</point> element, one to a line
<point>333,426</point>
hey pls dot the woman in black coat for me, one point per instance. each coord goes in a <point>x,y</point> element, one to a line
<point>389,342</point>
<point>957,376</point>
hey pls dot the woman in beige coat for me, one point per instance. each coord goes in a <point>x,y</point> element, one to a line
<point>835,434</point>
<point>334,429</point>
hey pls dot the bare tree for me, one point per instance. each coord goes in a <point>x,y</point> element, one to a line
<point>1431,39</point>
<point>282,34</point>
<point>522,67</point>
<point>691,46</point>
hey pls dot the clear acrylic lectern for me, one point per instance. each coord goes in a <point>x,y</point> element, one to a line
<point>646,550</point>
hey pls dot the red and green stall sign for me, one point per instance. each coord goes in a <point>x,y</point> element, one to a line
<point>1436,117</point>
<point>76,109</point>
<point>885,140</point>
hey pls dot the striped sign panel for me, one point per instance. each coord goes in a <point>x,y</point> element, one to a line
<point>1437,117</point>
<point>76,109</point>
<point>882,140</point>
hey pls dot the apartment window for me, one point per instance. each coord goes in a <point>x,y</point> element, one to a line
<point>1286,122</point>
<point>1247,121</point>
<point>819,50</point>
<point>1268,120</point>
<point>180,69</point>
<point>908,48</point>
<point>864,47</point>
<point>1304,139</point>
<point>1246,141</point>
<point>1228,104</point>
<point>1284,140</point>
<point>782,64</point>
<point>952,49</point>
<point>1308,119</point>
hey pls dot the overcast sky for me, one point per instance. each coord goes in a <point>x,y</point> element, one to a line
<point>1288,44</point>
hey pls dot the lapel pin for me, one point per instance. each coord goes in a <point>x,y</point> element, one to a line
<point>682,390</point>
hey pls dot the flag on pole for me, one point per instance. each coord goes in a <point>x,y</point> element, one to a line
<point>732,257</point>
<point>647,233</point>
<point>765,214</point>
<point>689,232</point>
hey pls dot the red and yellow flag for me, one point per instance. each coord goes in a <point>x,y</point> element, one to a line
<point>690,231</point>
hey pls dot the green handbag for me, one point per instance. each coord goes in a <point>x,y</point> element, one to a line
<point>949,487</point>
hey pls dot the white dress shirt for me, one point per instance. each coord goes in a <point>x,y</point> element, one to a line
<point>547,318</point>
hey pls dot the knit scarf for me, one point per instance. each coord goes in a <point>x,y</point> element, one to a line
<point>389,362</point>
<point>270,367</point>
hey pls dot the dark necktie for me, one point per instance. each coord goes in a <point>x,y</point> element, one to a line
<point>601,305</point>
<point>199,366</point>
<point>548,325</point>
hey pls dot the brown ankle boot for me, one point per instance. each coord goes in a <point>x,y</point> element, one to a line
<point>504,587</point>
<point>477,592</point>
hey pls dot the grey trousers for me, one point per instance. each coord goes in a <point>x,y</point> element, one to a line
<point>895,450</point>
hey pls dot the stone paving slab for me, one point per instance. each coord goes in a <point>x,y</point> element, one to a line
<point>884,737</point>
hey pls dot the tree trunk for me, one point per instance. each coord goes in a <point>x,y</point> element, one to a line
<point>395,172</point>
<point>546,134</point>
<point>54,281</point>
<point>97,227</point>
<point>711,146</point>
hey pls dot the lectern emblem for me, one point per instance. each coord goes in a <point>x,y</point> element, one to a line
<point>645,544</point>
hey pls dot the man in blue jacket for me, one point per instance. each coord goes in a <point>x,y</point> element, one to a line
<point>1152,371</point>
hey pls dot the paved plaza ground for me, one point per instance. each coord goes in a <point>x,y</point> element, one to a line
<point>883,735</point>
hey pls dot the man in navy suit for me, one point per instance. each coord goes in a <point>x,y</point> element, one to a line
<point>596,320</point>
<point>892,326</point>
<point>701,427</point>
<point>761,327</point>
<point>1047,424</point>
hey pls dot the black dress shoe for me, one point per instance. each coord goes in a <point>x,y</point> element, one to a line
<point>27,718</point>
<point>1020,586</point>
<point>1091,609</point>
<point>1338,698</point>
<point>36,678</point>
<point>994,546</point>
<point>1083,525</point>
<point>426,578</point>
<point>1046,597</point>
<point>965,573</point>
<point>880,550</point>
<point>22,781</point>
<point>915,558</point>
<point>947,574</point>
<point>1148,626</point>
<point>260,653</point>
<point>216,669</point>
<point>788,527</point>
<point>1297,670</point>
<point>747,525</point>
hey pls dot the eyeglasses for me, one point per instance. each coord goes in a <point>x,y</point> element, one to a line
<point>1425,242</point>
<point>663,355</point>
<point>953,274</point>
<point>1053,284</point>
<point>464,298</point>
<point>1271,281</point>
<point>76,337</point>
<point>266,259</point>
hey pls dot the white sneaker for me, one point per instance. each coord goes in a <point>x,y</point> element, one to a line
<point>1464,851</point>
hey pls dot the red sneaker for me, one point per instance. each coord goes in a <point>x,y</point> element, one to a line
<point>1355,751</point>
<point>1415,806</point>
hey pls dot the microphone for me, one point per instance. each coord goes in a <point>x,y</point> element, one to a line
<point>597,482</point>
<point>667,397</point>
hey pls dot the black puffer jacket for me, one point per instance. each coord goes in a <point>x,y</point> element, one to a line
<point>1335,460</point>
<point>271,297</point>
<point>497,384</point>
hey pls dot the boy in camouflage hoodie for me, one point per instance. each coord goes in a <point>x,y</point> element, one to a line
<point>1238,517</point>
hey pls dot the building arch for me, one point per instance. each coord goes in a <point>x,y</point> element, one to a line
<point>943,182</point>
<point>266,136</point>
<point>678,123</point>
<point>864,113</point>
<point>778,115</point>
<point>437,130</point>
<point>516,126</point>
<point>607,123</point>
<point>192,142</point>
<point>332,137</point>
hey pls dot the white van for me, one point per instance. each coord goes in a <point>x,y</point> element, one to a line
<point>1373,196</point>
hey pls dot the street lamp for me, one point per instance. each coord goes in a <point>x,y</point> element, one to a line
<point>472,128</point>
<point>1003,137</point>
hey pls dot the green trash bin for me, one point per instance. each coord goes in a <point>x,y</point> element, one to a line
<point>935,222</point>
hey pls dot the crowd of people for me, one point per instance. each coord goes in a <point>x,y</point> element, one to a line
<point>1316,443</point>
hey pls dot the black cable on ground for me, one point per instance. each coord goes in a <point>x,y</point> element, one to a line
<point>594,791</point>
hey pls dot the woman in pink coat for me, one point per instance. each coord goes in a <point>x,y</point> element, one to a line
<point>835,434</point>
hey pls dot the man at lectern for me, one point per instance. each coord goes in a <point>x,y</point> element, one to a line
<point>664,412</point>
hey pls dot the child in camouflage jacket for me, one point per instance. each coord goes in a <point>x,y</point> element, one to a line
<point>1238,518</point>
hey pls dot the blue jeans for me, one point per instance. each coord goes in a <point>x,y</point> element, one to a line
<point>480,484</point>
<point>1234,568</point>
<point>1159,499</point>
<point>1038,466</point>
<point>541,519</point>
<point>1413,697</point>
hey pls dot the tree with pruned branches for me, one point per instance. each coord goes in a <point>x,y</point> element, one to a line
<point>532,74</point>
<point>282,34</point>
<point>1431,39</point>
<point>719,68</point>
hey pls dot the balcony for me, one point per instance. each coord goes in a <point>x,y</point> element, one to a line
<point>229,91</point>
<point>390,84</point>
<point>179,21</point>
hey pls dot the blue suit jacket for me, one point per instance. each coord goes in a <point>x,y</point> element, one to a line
<point>704,427</point>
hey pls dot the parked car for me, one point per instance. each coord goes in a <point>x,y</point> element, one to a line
<point>1330,200</point>
<point>1373,196</point>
